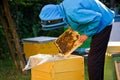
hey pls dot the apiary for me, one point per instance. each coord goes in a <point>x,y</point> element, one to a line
<point>70,68</point>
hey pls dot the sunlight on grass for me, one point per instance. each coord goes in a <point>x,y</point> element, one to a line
<point>108,71</point>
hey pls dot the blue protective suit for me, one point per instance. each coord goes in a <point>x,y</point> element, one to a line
<point>87,16</point>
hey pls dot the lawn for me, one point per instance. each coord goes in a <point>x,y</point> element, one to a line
<point>8,71</point>
<point>109,71</point>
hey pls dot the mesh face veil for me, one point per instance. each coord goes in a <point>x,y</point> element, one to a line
<point>51,17</point>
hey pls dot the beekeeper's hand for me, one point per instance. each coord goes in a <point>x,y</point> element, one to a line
<point>82,38</point>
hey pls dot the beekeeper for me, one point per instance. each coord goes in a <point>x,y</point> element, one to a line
<point>90,17</point>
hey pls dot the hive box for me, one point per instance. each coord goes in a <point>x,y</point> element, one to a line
<point>113,46</point>
<point>42,44</point>
<point>71,68</point>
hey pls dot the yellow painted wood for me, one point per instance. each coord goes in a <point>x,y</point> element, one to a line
<point>32,48</point>
<point>71,68</point>
<point>113,47</point>
<point>117,69</point>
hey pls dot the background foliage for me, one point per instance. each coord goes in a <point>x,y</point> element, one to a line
<point>25,14</point>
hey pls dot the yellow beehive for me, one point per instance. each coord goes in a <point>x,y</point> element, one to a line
<point>45,45</point>
<point>66,43</point>
<point>113,47</point>
<point>71,68</point>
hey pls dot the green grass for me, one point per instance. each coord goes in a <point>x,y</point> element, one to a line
<point>86,72</point>
<point>8,70</point>
<point>109,70</point>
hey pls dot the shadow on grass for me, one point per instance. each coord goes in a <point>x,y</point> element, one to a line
<point>9,72</point>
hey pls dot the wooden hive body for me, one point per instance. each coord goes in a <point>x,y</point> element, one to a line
<point>71,68</point>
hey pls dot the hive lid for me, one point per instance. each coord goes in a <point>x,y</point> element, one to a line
<point>40,39</point>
